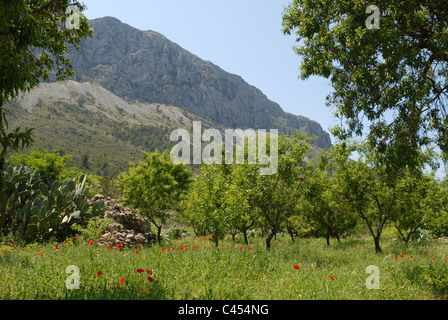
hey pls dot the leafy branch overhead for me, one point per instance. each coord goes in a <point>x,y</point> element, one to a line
<point>392,80</point>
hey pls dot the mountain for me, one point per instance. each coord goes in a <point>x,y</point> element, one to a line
<point>146,66</point>
<point>86,119</point>
<point>131,89</point>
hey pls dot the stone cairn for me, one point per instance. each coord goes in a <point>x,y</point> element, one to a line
<point>128,229</point>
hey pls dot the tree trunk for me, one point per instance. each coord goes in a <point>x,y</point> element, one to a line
<point>159,231</point>
<point>327,237</point>
<point>269,238</point>
<point>3,205</point>
<point>377,244</point>
<point>245,237</point>
<point>290,231</point>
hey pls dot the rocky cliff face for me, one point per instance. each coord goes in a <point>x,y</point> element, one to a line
<point>146,66</point>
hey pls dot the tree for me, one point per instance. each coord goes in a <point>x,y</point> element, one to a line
<point>236,198</point>
<point>394,78</point>
<point>417,203</point>
<point>154,187</point>
<point>33,43</point>
<point>326,199</point>
<point>204,205</point>
<point>277,196</point>
<point>50,165</point>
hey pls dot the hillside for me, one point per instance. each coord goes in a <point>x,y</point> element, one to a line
<point>146,66</point>
<point>84,118</point>
<point>131,89</point>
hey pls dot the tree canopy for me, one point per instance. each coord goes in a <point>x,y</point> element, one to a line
<point>393,79</point>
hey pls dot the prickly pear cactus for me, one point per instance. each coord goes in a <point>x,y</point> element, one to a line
<point>40,210</point>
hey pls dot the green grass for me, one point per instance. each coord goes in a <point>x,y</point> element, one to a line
<point>206,272</point>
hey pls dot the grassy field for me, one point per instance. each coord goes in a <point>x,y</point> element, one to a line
<point>193,268</point>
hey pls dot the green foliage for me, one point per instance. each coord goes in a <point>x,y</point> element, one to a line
<point>396,72</point>
<point>154,186</point>
<point>50,165</point>
<point>438,277</point>
<point>94,228</point>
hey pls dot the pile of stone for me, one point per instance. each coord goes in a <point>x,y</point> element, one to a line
<point>128,229</point>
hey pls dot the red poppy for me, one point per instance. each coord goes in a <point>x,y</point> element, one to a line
<point>76,238</point>
<point>57,248</point>
<point>122,281</point>
<point>249,249</point>
<point>136,251</point>
<point>164,249</point>
<point>140,270</point>
<point>91,242</point>
<point>356,245</point>
<point>296,267</point>
<point>99,273</point>
<point>111,246</point>
<point>149,272</point>
<point>332,277</point>
<point>12,244</point>
<point>120,245</point>
<point>192,247</point>
<point>150,279</point>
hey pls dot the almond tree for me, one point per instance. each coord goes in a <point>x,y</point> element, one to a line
<point>154,187</point>
<point>389,79</point>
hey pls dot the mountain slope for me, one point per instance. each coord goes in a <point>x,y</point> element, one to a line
<point>146,66</point>
<point>86,119</point>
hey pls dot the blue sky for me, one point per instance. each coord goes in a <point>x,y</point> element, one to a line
<point>242,37</point>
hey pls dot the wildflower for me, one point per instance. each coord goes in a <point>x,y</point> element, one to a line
<point>91,242</point>
<point>356,245</point>
<point>249,249</point>
<point>332,277</point>
<point>164,249</point>
<point>150,279</point>
<point>57,248</point>
<point>120,245</point>
<point>12,244</point>
<point>99,273</point>
<point>149,272</point>
<point>140,270</point>
<point>192,247</point>
<point>296,267</point>
<point>122,281</point>
<point>76,238</point>
<point>111,246</point>
<point>136,251</point>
